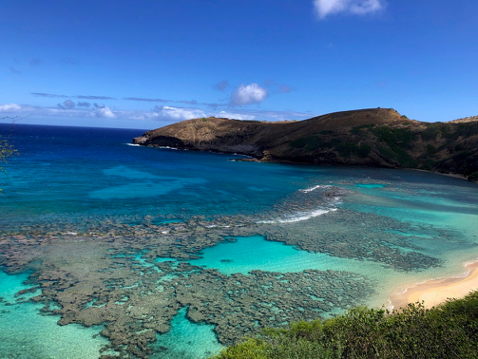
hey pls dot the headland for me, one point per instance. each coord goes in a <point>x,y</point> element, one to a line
<point>376,137</point>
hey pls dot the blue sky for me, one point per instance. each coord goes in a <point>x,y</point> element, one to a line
<point>144,64</point>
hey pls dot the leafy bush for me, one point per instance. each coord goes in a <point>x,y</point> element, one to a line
<point>431,150</point>
<point>447,331</point>
<point>364,150</point>
<point>394,152</point>
<point>473,177</point>
<point>356,130</point>
<point>311,143</point>
<point>431,132</point>
<point>348,148</point>
<point>459,147</point>
<point>6,151</point>
<point>397,136</point>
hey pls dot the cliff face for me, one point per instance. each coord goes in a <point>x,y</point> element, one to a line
<point>371,137</point>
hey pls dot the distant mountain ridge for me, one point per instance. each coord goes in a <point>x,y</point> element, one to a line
<point>370,137</point>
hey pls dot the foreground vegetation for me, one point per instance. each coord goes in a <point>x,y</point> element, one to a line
<point>6,151</point>
<point>446,331</point>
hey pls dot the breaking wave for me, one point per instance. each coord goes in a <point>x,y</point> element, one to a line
<point>299,216</point>
<point>311,189</point>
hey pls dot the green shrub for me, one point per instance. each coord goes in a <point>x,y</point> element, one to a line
<point>431,132</point>
<point>397,136</point>
<point>473,177</point>
<point>346,149</point>
<point>364,150</point>
<point>459,147</point>
<point>6,151</point>
<point>394,152</point>
<point>310,143</point>
<point>356,130</point>
<point>446,331</point>
<point>431,150</point>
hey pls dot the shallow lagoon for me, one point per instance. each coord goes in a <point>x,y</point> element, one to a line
<point>167,242</point>
<point>27,334</point>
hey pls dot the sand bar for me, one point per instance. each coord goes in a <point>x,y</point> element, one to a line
<point>437,291</point>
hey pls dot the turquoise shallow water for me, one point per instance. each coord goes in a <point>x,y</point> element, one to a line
<point>185,335</point>
<point>27,334</point>
<point>256,253</point>
<point>394,227</point>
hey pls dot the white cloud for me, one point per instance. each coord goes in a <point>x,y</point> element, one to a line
<point>358,7</point>
<point>105,112</point>
<point>234,116</point>
<point>248,94</point>
<point>273,116</point>
<point>13,107</point>
<point>144,119</point>
<point>175,113</point>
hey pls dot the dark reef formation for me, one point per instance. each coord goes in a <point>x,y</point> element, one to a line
<point>107,272</point>
<point>371,137</point>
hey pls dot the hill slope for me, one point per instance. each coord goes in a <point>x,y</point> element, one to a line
<point>371,137</point>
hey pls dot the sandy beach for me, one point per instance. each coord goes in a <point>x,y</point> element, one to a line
<point>434,292</point>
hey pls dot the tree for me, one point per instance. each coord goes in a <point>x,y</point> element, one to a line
<point>6,151</point>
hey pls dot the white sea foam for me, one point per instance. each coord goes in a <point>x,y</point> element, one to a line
<point>307,190</point>
<point>300,216</point>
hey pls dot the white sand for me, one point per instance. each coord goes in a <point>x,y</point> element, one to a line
<point>438,291</point>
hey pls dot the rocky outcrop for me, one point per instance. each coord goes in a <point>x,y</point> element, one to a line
<point>370,137</point>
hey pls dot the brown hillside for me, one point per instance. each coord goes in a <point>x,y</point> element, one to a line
<point>369,137</point>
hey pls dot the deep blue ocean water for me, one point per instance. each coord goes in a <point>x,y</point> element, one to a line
<point>78,177</point>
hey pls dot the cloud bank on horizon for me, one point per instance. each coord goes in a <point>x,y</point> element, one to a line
<point>241,97</point>
<point>357,7</point>
<point>142,118</point>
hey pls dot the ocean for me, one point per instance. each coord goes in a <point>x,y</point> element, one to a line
<point>107,248</point>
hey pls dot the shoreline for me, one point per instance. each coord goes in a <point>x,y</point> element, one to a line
<point>252,158</point>
<point>437,291</point>
<point>452,175</point>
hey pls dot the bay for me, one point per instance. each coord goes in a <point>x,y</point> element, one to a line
<point>140,244</point>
